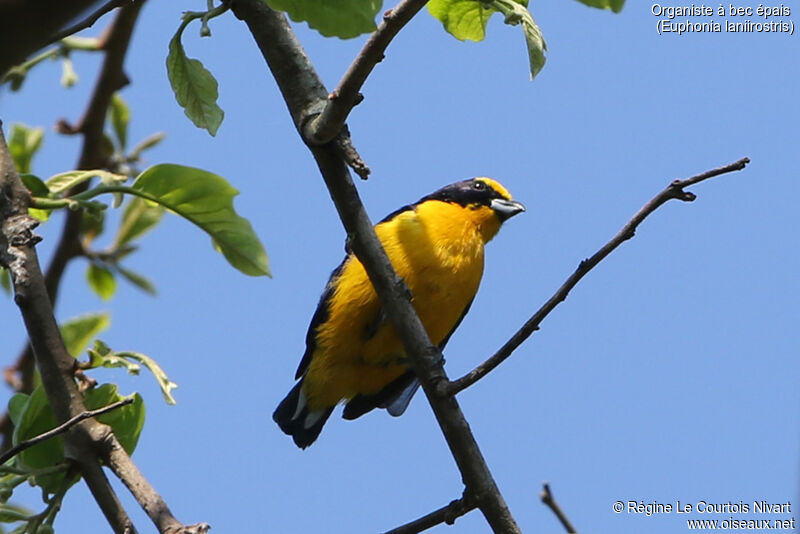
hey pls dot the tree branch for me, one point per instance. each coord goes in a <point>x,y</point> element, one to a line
<point>87,442</point>
<point>25,27</point>
<point>88,21</point>
<point>60,429</point>
<point>54,362</point>
<point>675,190</point>
<point>299,84</point>
<point>550,501</point>
<point>446,514</point>
<point>110,79</point>
<point>325,126</point>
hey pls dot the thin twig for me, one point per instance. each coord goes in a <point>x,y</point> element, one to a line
<point>550,501</point>
<point>325,126</point>
<point>446,514</point>
<point>88,21</point>
<point>299,83</point>
<point>673,191</point>
<point>60,429</point>
<point>349,154</point>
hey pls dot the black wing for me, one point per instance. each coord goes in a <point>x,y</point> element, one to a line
<point>320,316</point>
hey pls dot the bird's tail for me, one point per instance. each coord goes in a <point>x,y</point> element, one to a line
<point>296,420</point>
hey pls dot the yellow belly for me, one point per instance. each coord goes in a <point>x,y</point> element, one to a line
<point>440,261</point>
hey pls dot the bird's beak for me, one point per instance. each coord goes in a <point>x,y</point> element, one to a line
<point>506,209</point>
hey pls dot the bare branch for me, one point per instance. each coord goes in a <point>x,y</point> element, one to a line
<point>148,498</point>
<point>550,501</point>
<point>299,83</point>
<point>90,20</point>
<point>447,514</point>
<point>673,191</point>
<point>25,27</point>
<point>60,429</point>
<point>341,101</point>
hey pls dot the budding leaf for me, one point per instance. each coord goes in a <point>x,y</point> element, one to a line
<point>120,117</point>
<point>60,183</point>
<point>101,281</point>
<point>23,143</point>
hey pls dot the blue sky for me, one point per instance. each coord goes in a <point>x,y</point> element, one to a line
<point>669,374</point>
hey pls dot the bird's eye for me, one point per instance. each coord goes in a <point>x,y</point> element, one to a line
<point>479,186</point>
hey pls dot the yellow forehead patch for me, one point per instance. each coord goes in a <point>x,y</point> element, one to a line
<point>497,186</point>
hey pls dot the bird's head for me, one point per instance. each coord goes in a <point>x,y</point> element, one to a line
<point>488,203</point>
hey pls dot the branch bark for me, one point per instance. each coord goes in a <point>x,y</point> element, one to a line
<point>547,498</point>
<point>89,21</point>
<point>446,514</point>
<point>302,91</point>
<point>27,26</point>
<point>675,190</point>
<point>326,126</point>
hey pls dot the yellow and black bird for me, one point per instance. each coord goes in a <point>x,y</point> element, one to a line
<point>353,353</point>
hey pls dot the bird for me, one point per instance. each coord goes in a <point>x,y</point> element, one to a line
<point>353,353</point>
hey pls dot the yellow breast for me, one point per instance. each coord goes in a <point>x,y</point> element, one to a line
<point>438,251</point>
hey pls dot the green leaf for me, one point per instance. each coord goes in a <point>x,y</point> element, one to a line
<point>23,144</point>
<point>164,382</point>
<point>35,418</point>
<point>39,215</point>
<point>333,18</point>
<point>120,116</point>
<point>101,280</point>
<point>517,14</point>
<point>467,20</point>
<point>138,280</point>
<point>37,188</point>
<point>16,405</point>
<point>35,185</point>
<point>79,331</point>
<point>613,5</point>
<point>207,200</point>
<point>126,422</point>
<point>138,218</point>
<point>5,280</point>
<point>10,513</point>
<point>64,181</point>
<point>195,88</point>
